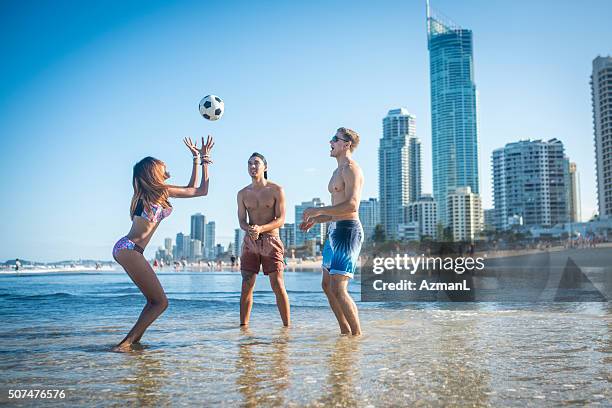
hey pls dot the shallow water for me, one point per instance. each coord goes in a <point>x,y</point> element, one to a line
<point>57,331</point>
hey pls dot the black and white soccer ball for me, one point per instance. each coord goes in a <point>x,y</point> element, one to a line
<point>212,107</point>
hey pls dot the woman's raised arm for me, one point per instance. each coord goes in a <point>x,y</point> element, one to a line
<point>204,159</point>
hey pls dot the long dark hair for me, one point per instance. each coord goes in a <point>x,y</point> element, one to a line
<point>149,185</point>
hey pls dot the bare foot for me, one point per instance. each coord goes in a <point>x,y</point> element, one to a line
<point>122,348</point>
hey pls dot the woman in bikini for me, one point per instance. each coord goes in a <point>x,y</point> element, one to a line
<point>149,206</point>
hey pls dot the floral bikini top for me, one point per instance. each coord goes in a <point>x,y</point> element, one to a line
<point>158,211</point>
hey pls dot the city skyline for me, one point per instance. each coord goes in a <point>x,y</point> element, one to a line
<point>95,72</point>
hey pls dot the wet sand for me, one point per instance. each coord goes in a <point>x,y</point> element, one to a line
<point>58,331</point>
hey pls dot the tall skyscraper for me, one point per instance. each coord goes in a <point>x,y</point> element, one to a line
<point>465,216</point>
<point>369,215</point>
<point>601,93</point>
<point>239,234</point>
<point>186,251</point>
<point>454,126</point>
<point>168,245</point>
<point>399,168</point>
<point>574,194</point>
<point>198,223</point>
<point>180,239</point>
<point>317,232</point>
<point>195,249</point>
<point>530,183</point>
<point>209,240</point>
<point>414,168</point>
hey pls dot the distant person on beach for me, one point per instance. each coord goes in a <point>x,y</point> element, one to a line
<point>149,206</point>
<point>17,264</point>
<point>344,233</point>
<point>264,203</point>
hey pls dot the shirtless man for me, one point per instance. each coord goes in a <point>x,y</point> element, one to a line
<point>264,203</point>
<point>345,233</point>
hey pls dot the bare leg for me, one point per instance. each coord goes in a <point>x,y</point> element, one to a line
<point>141,273</point>
<point>246,297</point>
<point>282,300</point>
<point>339,288</point>
<point>334,304</point>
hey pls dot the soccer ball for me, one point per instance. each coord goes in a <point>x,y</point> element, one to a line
<point>211,107</point>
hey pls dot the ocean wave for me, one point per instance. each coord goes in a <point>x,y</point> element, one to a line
<point>57,295</point>
<point>225,297</point>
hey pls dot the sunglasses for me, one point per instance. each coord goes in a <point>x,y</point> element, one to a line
<point>336,138</point>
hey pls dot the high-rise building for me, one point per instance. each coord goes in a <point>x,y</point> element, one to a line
<point>530,184</point>
<point>239,235</point>
<point>399,168</point>
<point>209,240</point>
<point>369,215</point>
<point>198,223</point>
<point>287,235</point>
<point>574,194</point>
<point>168,245</point>
<point>465,214</point>
<point>180,238</point>
<point>414,168</point>
<point>424,213</point>
<point>317,232</point>
<point>195,249</point>
<point>601,93</point>
<point>186,251</point>
<point>454,126</point>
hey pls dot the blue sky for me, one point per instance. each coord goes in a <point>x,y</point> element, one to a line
<point>89,88</point>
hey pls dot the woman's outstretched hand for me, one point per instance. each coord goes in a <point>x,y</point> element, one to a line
<point>206,149</point>
<point>192,146</point>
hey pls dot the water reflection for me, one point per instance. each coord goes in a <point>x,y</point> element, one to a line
<point>263,368</point>
<point>461,368</point>
<point>146,378</point>
<point>343,373</point>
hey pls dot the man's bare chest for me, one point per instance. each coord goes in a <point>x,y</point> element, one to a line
<point>336,183</point>
<point>260,199</point>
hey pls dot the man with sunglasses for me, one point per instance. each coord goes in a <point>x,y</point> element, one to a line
<point>344,233</point>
